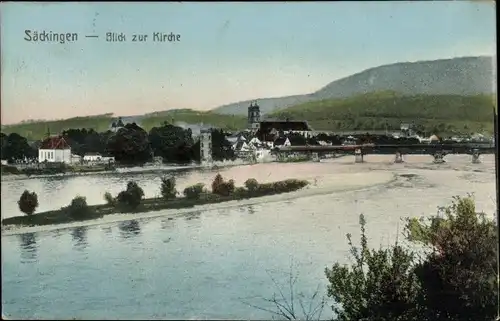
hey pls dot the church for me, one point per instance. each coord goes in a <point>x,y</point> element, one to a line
<point>269,130</point>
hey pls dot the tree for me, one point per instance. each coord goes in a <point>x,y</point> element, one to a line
<point>130,145</point>
<point>168,190</point>
<point>252,185</point>
<point>28,202</point>
<point>222,188</point>
<point>173,143</point>
<point>15,147</point>
<point>79,209</point>
<point>217,183</point>
<point>131,197</point>
<point>221,147</point>
<point>194,192</point>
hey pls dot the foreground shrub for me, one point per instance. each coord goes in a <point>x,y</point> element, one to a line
<point>458,277</point>
<point>131,197</point>
<point>28,202</point>
<point>379,285</point>
<point>78,208</point>
<point>168,190</point>
<point>194,192</point>
<point>455,279</point>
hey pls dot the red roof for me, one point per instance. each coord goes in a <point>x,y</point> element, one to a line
<point>54,143</point>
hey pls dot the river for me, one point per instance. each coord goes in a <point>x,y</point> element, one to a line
<point>213,262</point>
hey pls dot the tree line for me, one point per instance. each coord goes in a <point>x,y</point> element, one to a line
<point>129,145</point>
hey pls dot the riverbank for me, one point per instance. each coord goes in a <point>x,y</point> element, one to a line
<point>82,212</point>
<point>318,185</point>
<point>13,174</point>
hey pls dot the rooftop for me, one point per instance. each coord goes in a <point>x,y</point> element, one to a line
<point>54,142</point>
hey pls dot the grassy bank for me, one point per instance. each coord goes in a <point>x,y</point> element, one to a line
<point>131,201</point>
<point>56,169</point>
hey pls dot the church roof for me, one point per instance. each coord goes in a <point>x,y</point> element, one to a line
<point>55,142</point>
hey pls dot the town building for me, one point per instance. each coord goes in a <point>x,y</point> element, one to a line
<point>76,159</point>
<point>206,146</point>
<point>270,130</point>
<point>407,130</point>
<point>92,157</point>
<point>54,149</point>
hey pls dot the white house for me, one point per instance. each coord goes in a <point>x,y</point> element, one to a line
<point>54,150</point>
<point>255,142</point>
<point>92,157</point>
<point>75,159</point>
<point>241,146</point>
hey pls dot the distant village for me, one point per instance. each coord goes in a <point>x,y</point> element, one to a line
<point>256,143</point>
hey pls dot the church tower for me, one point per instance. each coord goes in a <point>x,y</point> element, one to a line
<point>253,116</point>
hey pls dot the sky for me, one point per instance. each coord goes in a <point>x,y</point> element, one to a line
<point>228,52</point>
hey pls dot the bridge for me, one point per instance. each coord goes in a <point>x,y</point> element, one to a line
<point>438,151</point>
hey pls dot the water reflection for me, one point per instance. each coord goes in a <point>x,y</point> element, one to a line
<point>57,234</point>
<point>79,235</point>
<point>129,229</point>
<point>167,223</point>
<point>107,230</point>
<point>29,247</point>
<point>193,216</point>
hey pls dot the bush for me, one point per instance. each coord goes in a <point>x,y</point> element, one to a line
<point>194,192</point>
<point>460,271</point>
<point>222,188</point>
<point>28,202</point>
<point>288,185</point>
<point>454,280</point>
<point>131,197</point>
<point>110,200</point>
<point>252,185</point>
<point>168,190</point>
<point>240,192</point>
<point>78,208</point>
<point>380,285</point>
<point>211,197</point>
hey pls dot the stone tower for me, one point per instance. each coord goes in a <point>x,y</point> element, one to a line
<point>253,116</point>
<point>205,146</point>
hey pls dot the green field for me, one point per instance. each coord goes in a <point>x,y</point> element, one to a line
<point>378,111</point>
<point>439,114</point>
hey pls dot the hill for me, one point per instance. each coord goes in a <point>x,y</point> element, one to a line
<point>35,130</point>
<point>387,110</point>
<point>457,76</point>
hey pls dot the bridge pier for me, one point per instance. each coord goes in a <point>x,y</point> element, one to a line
<point>315,157</point>
<point>475,157</point>
<point>358,156</point>
<point>438,157</point>
<point>399,158</point>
